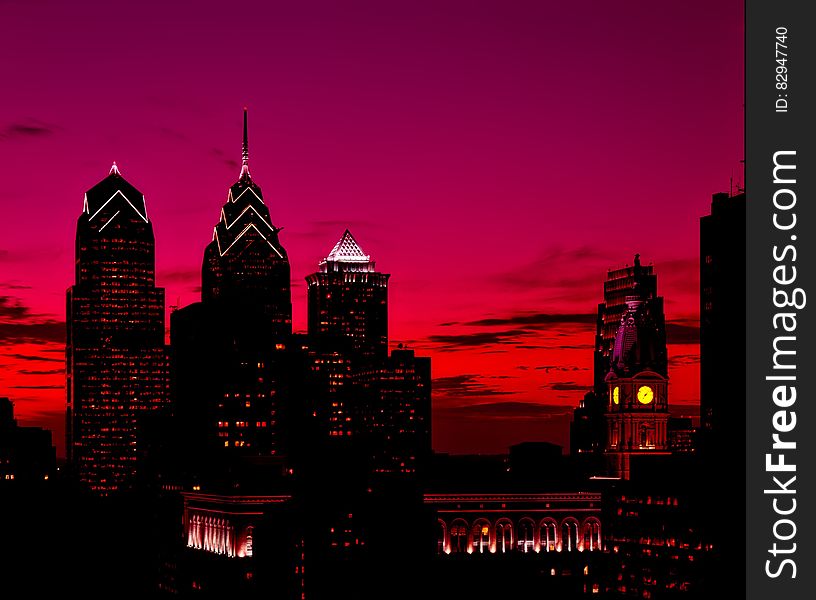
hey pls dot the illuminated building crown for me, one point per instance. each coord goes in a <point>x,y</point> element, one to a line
<point>347,256</point>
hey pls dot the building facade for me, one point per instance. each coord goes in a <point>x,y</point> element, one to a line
<point>116,359</point>
<point>233,351</point>
<point>391,412</point>
<point>348,299</point>
<point>637,393</point>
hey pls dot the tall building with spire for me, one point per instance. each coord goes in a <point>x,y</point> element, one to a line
<point>116,359</point>
<point>230,350</point>
<point>348,300</point>
<point>245,265</point>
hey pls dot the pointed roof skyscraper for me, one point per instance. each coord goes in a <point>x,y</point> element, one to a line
<point>347,250</point>
<point>245,262</point>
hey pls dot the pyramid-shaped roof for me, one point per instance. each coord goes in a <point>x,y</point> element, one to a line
<point>347,250</point>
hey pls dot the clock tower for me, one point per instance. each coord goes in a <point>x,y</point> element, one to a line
<point>637,411</point>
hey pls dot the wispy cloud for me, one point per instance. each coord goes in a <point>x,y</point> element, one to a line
<point>682,333</point>
<point>567,386</point>
<point>676,360</point>
<point>35,333</point>
<point>45,372</point>
<point>33,358</point>
<point>507,410</point>
<point>12,308</point>
<point>449,342</point>
<point>531,320</point>
<point>37,387</point>
<point>28,128</point>
<point>179,275</point>
<point>467,386</point>
<point>224,158</point>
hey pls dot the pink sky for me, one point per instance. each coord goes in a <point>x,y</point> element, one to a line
<point>496,158</point>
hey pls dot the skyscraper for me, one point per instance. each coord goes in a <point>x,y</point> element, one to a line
<point>245,266</point>
<point>722,326</point>
<point>231,351</point>
<point>722,378</point>
<point>116,359</point>
<point>349,299</point>
<point>588,428</point>
<point>392,413</point>
<point>618,285</point>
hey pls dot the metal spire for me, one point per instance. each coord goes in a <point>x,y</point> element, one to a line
<point>114,170</point>
<point>245,150</point>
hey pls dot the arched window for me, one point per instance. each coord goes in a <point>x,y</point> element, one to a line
<point>569,535</point>
<point>526,535</point>
<point>504,536</point>
<point>548,536</point>
<point>441,535</point>
<point>592,534</point>
<point>480,537</point>
<point>248,544</point>
<point>458,536</point>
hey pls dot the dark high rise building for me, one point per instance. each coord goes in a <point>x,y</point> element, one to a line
<point>392,413</point>
<point>245,266</point>
<point>232,352</point>
<point>588,428</point>
<point>116,359</point>
<point>722,381</point>
<point>619,284</point>
<point>722,326</point>
<point>26,453</point>
<point>349,299</point>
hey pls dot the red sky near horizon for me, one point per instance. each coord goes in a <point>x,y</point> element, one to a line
<point>496,158</point>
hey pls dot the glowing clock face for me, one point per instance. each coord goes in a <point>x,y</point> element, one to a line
<point>616,395</point>
<point>645,394</point>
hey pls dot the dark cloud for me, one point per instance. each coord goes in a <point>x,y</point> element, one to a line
<point>11,308</point>
<point>179,276</point>
<point>567,386</point>
<point>682,333</point>
<point>555,347</point>
<point>534,320</point>
<point>37,387</point>
<point>507,410</point>
<point>467,385</point>
<point>167,132</point>
<point>34,333</point>
<point>225,158</point>
<point>27,129</point>
<point>470,340</point>
<point>29,357</point>
<point>558,267</point>
<point>683,359</point>
<point>47,372</point>
<point>548,368</point>
<point>8,285</point>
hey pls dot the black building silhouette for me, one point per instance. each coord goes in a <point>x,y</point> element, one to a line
<point>116,359</point>
<point>349,299</point>
<point>722,382</point>
<point>233,351</point>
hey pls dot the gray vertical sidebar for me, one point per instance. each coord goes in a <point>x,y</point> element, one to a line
<point>771,535</point>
